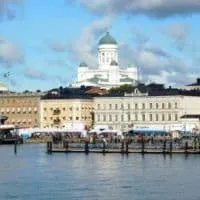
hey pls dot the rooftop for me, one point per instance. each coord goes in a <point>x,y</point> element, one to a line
<point>107,39</point>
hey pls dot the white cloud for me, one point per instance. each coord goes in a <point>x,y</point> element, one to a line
<point>155,8</point>
<point>33,73</point>
<point>56,46</point>
<point>5,8</point>
<point>179,33</point>
<point>10,53</point>
<point>83,48</point>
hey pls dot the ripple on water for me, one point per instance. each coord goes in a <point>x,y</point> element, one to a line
<point>34,175</point>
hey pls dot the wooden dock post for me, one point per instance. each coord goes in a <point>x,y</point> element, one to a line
<point>49,147</point>
<point>66,144</point>
<point>195,143</point>
<point>86,147</point>
<point>104,147</point>
<point>126,147</point>
<point>142,145</point>
<point>15,146</point>
<point>186,147</point>
<point>122,147</point>
<point>170,147</point>
<point>164,146</point>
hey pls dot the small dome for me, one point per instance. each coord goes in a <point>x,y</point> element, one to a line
<point>83,64</point>
<point>107,39</point>
<point>113,63</point>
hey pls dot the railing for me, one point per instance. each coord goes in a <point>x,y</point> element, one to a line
<point>125,146</point>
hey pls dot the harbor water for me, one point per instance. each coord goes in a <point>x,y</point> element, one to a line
<point>32,174</point>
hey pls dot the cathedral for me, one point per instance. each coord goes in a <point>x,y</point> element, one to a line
<point>108,73</point>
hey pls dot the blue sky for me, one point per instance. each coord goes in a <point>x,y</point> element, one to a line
<point>43,42</point>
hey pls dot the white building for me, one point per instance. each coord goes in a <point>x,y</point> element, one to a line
<point>194,86</point>
<point>108,74</point>
<point>142,111</point>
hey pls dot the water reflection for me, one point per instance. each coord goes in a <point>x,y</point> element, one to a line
<point>34,174</point>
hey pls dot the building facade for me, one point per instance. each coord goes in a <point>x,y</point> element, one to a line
<point>66,113</point>
<point>194,86</point>
<point>143,112</point>
<point>21,109</point>
<point>108,74</point>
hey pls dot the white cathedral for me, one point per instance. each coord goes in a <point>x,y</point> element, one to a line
<point>108,74</point>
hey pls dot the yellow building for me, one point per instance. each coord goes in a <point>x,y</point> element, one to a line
<point>21,108</point>
<point>69,113</point>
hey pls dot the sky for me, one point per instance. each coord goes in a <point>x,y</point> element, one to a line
<point>42,42</point>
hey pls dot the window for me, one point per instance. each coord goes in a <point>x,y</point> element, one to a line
<point>150,105</point>
<point>98,106</point>
<point>143,106</point>
<point>163,106</point>
<point>115,106</point>
<point>128,117</point>
<point>136,117</point>
<point>143,117</point>
<point>157,117</point>
<point>77,118</point>
<point>176,105</point>
<point>129,107</point>
<point>122,106</point>
<point>169,117</point>
<point>176,117</point>
<point>104,118</point>
<point>136,106</point>
<point>98,118</point>
<point>104,106</point>
<point>169,105</point>
<point>110,118</point>
<point>110,106</point>
<point>163,117</point>
<point>122,118</point>
<point>70,118</point>
<point>156,105</point>
<point>45,109</point>
<point>116,118</point>
<point>64,118</point>
<point>150,117</point>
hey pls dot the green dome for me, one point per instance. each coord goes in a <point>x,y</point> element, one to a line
<point>83,64</point>
<point>107,39</point>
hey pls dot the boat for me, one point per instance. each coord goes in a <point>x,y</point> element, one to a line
<point>9,135</point>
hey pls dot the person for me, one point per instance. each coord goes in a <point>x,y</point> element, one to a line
<point>104,140</point>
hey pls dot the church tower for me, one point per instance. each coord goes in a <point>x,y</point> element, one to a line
<point>107,52</point>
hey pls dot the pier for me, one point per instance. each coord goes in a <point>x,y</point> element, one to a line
<point>123,148</point>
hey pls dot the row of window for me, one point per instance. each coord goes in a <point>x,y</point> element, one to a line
<point>71,118</point>
<point>70,108</point>
<point>137,117</point>
<point>24,109</point>
<point>2,101</point>
<point>138,106</point>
